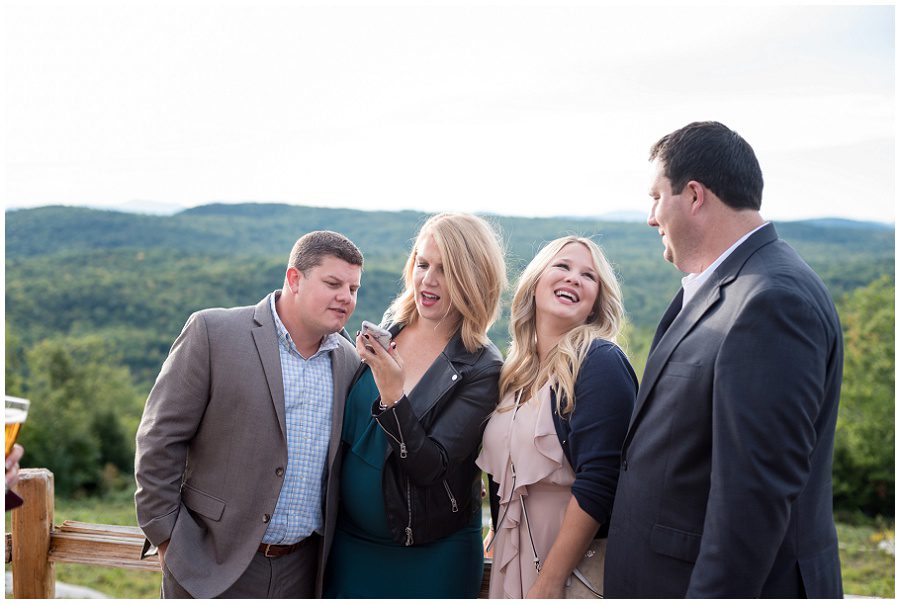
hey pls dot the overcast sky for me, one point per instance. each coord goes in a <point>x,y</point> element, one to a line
<point>528,110</point>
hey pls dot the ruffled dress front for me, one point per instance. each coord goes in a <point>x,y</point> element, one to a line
<point>522,452</point>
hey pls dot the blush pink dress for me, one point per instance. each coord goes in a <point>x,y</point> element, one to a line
<point>522,452</point>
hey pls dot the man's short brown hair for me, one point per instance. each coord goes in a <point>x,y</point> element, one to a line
<point>310,249</point>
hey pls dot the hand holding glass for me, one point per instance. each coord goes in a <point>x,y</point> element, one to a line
<point>16,410</point>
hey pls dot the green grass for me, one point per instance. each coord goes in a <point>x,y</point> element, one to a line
<point>867,571</point>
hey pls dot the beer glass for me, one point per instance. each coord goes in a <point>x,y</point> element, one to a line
<point>15,414</point>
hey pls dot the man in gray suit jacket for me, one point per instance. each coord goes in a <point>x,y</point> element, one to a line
<point>237,447</point>
<point>725,488</point>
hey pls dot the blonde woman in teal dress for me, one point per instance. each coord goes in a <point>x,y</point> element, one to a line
<point>409,523</point>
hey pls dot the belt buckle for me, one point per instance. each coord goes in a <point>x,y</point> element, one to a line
<point>266,553</point>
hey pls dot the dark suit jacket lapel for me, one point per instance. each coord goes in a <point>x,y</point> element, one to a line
<point>668,317</point>
<point>709,293</point>
<point>266,339</point>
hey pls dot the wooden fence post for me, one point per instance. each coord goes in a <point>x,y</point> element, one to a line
<point>33,573</point>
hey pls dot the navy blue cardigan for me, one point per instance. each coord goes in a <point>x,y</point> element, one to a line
<point>592,434</point>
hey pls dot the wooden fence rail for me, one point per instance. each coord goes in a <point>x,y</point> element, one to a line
<point>35,544</point>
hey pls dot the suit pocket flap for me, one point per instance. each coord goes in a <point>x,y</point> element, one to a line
<point>675,543</point>
<point>202,503</point>
<point>682,370</point>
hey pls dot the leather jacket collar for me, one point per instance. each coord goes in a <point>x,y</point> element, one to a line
<point>442,374</point>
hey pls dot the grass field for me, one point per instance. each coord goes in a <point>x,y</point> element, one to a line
<point>867,570</point>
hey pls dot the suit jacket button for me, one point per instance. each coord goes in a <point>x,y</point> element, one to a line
<point>266,518</point>
<point>625,464</point>
<point>279,471</point>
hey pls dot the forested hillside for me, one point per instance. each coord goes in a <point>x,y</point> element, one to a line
<point>136,278</point>
<point>101,289</point>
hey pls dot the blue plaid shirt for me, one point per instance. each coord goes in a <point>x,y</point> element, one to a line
<point>308,398</point>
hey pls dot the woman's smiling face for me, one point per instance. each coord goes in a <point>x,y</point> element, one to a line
<point>567,289</point>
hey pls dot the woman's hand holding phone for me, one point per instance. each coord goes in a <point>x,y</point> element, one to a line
<point>384,360</point>
<point>379,334</point>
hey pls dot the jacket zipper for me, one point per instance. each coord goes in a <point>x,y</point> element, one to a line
<point>400,430</point>
<point>408,530</point>
<point>453,507</point>
<point>401,441</point>
<point>409,533</point>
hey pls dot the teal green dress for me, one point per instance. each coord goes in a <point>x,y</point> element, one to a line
<point>365,562</point>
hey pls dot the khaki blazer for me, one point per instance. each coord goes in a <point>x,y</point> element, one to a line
<point>211,446</point>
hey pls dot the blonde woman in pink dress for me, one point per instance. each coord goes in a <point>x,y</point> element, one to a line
<point>567,392</point>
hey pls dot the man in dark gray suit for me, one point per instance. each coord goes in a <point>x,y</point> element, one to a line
<point>236,461</point>
<point>725,488</point>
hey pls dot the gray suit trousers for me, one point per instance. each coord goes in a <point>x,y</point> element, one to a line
<point>291,576</point>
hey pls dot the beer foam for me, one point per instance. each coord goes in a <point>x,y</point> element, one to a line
<point>15,416</point>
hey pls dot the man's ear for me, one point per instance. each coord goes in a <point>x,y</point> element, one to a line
<point>697,195</point>
<point>293,277</point>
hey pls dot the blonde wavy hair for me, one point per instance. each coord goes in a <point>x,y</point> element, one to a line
<point>475,270</point>
<point>522,369</point>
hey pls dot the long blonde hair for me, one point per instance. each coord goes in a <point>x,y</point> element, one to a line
<point>475,269</point>
<point>523,369</point>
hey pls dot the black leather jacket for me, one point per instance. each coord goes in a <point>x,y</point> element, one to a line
<point>430,482</point>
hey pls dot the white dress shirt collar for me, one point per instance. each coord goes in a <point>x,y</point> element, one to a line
<point>692,282</point>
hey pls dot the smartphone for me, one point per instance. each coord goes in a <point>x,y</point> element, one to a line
<point>379,334</point>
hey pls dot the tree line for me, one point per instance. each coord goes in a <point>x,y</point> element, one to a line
<point>94,300</point>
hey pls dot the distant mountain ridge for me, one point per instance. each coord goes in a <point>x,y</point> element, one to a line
<point>848,223</point>
<point>267,228</point>
<point>158,208</point>
<point>615,216</point>
<point>135,278</point>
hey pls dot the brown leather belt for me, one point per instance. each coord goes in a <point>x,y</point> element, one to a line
<point>270,550</point>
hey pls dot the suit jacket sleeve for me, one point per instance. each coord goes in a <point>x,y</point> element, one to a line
<point>170,420</point>
<point>455,434</point>
<point>604,399</point>
<point>767,392</point>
